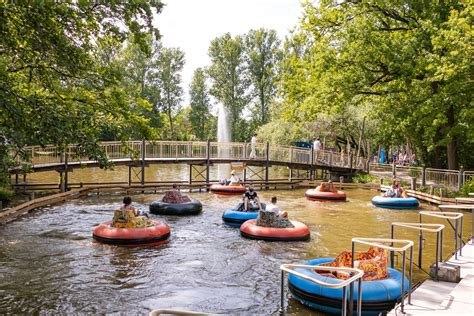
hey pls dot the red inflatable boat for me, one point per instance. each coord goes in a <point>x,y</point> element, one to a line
<point>148,236</point>
<point>249,229</point>
<point>322,196</point>
<point>227,189</point>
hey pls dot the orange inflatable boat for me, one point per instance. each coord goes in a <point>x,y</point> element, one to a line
<point>227,189</point>
<point>155,235</point>
<point>324,193</point>
<point>250,229</point>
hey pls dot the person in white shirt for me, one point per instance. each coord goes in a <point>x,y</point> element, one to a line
<point>272,207</point>
<point>253,142</point>
<point>234,179</point>
<point>317,147</point>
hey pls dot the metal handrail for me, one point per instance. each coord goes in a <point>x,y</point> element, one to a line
<point>380,242</point>
<point>358,274</point>
<point>437,228</point>
<point>456,216</point>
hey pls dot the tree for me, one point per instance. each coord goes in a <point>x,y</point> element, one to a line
<point>406,63</point>
<point>59,81</point>
<point>200,115</point>
<point>165,73</point>
<point>227,74</point>
<point>263,55</point>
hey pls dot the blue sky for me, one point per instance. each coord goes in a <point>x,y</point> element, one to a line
<point>192,24</point>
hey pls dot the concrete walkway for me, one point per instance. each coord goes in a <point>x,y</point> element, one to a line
<point>445,298</point>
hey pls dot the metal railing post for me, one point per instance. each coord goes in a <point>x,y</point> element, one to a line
<point>392,254</point>
<point>410,275</point>
<point>282,292</point>
<point>403,281</point>
<point>460,238</point>
<point>437,252</point>
<point>441,247</point>
<point>420,246</point>
<point>351,286</point>
<point>456,239</point>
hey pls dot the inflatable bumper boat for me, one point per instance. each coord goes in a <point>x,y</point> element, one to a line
<point>155,235</point>
<point>323,196</point>
<point>227,189</point>
<point>378,296</point>
<point>395,203</point>
<point>192,207</point>
<point>251,230</point>
<point>237,216</point>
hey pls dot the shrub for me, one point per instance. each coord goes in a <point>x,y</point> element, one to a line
<point>364,178</point>
<point>5,194</point>
<point>467,187</point>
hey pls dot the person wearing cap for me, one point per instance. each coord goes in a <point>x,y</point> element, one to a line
<point>234,179</point>
<point>250,197</point>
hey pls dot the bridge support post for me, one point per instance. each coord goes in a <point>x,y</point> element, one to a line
<point>311,174</point>
<point>143,163</point>
<point>129,175</point>
<point>266,164</point>
<point>423,176</point>
<point>190,177</point>
<point>208,162</point>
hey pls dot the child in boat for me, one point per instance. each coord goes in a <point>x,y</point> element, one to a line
<point>130,217</point>
<point>251,199</point>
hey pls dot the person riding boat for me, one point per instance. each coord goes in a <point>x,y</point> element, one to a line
<point>251,199</point>
<point>130,217</point>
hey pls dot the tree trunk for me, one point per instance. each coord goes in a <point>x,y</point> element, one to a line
<point>451,147</point>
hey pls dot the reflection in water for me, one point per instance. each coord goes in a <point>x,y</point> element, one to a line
<point>49,262</point>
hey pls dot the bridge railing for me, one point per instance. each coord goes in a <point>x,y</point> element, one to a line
<point>188,149</point>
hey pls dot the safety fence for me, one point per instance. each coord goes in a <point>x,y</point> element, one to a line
<point>452,179</point>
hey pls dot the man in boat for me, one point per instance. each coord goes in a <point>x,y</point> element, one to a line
<point>251,199</point>
<point>234,179</point>
<point>272,216</point>
<point>395,190</point>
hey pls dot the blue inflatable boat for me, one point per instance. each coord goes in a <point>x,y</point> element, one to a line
<point>237,216</point>
<point>377,296</point>
<point>396,203</point>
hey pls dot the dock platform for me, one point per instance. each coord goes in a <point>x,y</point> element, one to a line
<point>445,298</point>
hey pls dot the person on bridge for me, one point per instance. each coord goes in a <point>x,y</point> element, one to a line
<point>130,217</point>
<point>253,142</point>
<point>234,179</point>
<point>175,196</point>
<point>251,199</point>
<point>317,147</point>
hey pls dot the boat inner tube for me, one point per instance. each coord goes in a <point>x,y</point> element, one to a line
<point>408,203</point>
<point>155,235</point>
<point>227,189</point>
<point>321,196</point>
<point>238,215</point>
<point>192,207</point>
<point>377,296</point>
<point>299,232</point>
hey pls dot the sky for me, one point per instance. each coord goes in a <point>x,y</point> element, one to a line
<point>192,24</point>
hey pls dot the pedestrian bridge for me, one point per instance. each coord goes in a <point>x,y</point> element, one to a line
<point>193,153</point>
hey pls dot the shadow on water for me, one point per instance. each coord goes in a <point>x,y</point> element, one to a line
<point>49,262</point>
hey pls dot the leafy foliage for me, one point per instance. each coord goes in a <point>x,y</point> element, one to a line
<point>200,116</point>
<point>59,75</point>
<point>406,64</point>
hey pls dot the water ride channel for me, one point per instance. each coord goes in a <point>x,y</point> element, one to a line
<point>50,263</point>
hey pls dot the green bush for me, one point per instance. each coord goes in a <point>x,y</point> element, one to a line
<point>364,178</point>
<point>5,194</point>
<point>467,187</point>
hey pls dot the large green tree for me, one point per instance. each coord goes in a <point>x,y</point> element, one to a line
<point>407,63</point>
<point>263,56</point>
<point>165,73</point>
<point>229,83</point>
<point>59,77</point>
<point>200,115</point>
